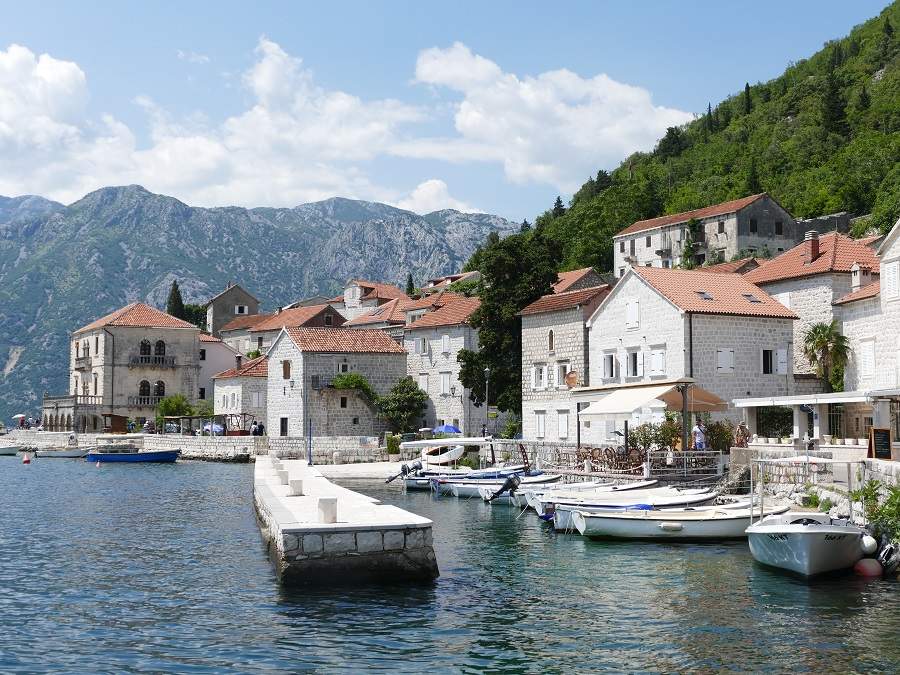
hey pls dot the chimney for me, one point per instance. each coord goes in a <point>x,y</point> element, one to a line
<point>238,359</point>
<point>811,247</point>
<point>860,276</point>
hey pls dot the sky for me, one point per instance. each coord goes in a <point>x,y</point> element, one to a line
<point>494,107</point>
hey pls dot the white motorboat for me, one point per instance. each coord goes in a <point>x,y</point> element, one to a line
<point>690,524</point>
<point>561,513</point>
<point>470,488</point>
<point>64,453</point>
<point>517,498</point>
<point>435,456</point>
<point>543,503</point>
<point>9,450</point>
<point>422,479</point>
<point>806,543</point>
<point>562,491</point>
<point>442,451</point>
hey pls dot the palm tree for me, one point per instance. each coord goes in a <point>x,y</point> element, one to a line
<point>826,349</point>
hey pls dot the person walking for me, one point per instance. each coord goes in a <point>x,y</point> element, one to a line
<point>699,435</point>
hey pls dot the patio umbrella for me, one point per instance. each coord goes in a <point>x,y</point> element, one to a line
<point>447,429</point>
<point>20,416</point>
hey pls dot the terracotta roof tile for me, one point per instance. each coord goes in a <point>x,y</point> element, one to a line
<point>138,315</point>
<point>432,301</point>
<point>565,280</point>
<point>705,212</point>
<point>293,317</point>
<point>208,338</point>
<point>453,313</point>
<point>741,266</point>
<point>258,367</point>
<point>228,288</point>
<point>392,311</point>
<point>837,253</point>
<point>361,340</point>
<point>375,289</point>
<point>728,293</point>
<point>247,321</point>
<point>558,301</point>
<point>451,279</point>
<point>872,239</point>
<point>869,291</point>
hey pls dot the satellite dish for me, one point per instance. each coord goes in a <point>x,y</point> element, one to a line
<point>571,379</point>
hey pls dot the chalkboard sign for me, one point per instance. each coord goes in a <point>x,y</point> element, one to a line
<point>880,443</point>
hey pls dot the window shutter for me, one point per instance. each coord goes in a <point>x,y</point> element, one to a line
<point>782,362</point>
<point>533,377</point>
<point>891,279</point>
<point>445,344</point>
<point>640,364</point>
<point>730,360</point>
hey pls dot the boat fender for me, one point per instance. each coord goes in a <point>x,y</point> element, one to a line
<point>869,544</point>
<point>868,567</point>
<point>668,526</point>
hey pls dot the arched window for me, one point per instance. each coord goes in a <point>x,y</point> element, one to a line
<point>77,349</point>
<point>145,347</point>
<point>144,388</point>
<point>550,341</point>
<point>159,389</point>
<point>160,349</point>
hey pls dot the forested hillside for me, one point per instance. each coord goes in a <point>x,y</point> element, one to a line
<point>823,137</point>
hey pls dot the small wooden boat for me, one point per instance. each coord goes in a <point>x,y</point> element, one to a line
<point>129,454</point>
<point>64,453</point>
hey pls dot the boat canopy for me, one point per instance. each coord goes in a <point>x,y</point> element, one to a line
<point>445,442</point>
<point>624,401</point>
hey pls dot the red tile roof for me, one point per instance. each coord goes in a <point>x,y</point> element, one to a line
<point>705,212</point>
<point>741,266</point>
<point>393,311</point>
<point>361,340</point>
<point>453,313</point>
<point>869,291</point>
<point>451,279</point>
<point>558,301</point>
<point>729,293</point>
<point>293,317</point>
<point>837,253</point>
<point>204,337</point>
<point>138,315</point>
<point>258,367</point>
<point>375,289</point>
<point>872,239</point>
<point>566,280</point>
<point>432,301</point>
<point>247,321</point>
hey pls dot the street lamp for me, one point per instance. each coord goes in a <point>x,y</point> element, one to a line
<point>487,404</point>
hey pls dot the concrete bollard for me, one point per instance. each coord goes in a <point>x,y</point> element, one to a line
<point>283,475</point>
<point>587,465</point>
<point>335,457</point>
<point>296,487</point>
<point>327,509</point>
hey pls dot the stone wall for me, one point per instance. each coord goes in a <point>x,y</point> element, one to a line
<point>349,449</point>
<point>214,449</point>
<point>870,320</point>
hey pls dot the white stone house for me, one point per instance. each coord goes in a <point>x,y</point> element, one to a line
<point>263,333</point>
<point>360,297</point>
<point>240,392</point>
<point>433,341</point>
<point>231,303</point>
<point>555,359</point>
<point>303,363</point>
<point>122,365</point>
<point>214,356</point>
<point>236,333</point>
<point>661,325</point>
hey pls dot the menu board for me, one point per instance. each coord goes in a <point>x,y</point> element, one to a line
<point>880,443</point>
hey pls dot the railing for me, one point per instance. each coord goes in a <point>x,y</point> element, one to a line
<point>144,401</point>
<point>151,361</point>
<point>74,399</point>
<point>82,362</point>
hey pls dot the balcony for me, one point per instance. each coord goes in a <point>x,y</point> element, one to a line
<point>149,361</point>
<point>144,401</point>
<point>75,400</point>
<point>82,363</point>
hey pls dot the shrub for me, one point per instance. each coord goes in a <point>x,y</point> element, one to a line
<point>355,381</point>
<point>393,444</point>
<point>825,505</point>
<point>404,404</point>
<point>719,435</point>
<point>811,500</point>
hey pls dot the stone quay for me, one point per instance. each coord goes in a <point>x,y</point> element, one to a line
<point>319,532</point>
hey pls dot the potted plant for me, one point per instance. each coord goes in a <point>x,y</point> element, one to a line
<point>393,448</point>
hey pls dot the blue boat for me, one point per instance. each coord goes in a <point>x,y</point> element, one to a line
<point>132,455</point>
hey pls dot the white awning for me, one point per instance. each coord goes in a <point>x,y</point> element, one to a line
<point>806,399</point>
<point>623,402</point>
<point>448,442</point>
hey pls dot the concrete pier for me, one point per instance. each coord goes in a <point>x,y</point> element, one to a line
<point>329,534</point>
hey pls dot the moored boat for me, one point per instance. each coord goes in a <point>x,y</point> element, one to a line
<point>9,450</point>
<point>470,488</point>
<point>132,455</point>
<point>517,497</point>
<point>63,453</point>
<point>561,513</point>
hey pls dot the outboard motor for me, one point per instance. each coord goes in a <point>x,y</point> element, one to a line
<point>511,484</point>
<point>406,470</point>
<point>889,557</point>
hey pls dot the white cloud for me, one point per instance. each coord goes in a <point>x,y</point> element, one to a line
<point>192,57</point>
<point>432,195</point>
<point>555,128</point>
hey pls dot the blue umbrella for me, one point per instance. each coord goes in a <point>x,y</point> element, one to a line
<point>216,428</point>
<point>446,429</point>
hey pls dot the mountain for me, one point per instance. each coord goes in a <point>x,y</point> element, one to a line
<point>62,266</point>
<point>822,137</point>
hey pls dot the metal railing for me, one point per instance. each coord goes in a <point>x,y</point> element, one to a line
<point>152,361</point>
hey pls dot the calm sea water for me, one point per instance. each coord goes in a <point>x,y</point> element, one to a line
<point>161,568</point>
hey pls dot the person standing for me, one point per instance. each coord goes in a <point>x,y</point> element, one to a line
<point>699,435</point>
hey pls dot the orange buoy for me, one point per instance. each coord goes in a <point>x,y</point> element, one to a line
<point>26,459</point>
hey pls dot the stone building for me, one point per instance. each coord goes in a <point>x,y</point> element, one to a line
<point>303,362</point>
<point>259,335</point>
<point>389,317</point>
<point>442,283</point>
<point>739,266</point>
<point>576,280</point>
<point>658,326</point>
<point>214,356</point>
<point>233,302</point>
<point>236,333</point>
<point>361,297</point>
<point>555,359</point>
<point>240,392</point>
<point>121,365</point>
<point>753,224</point>
<point>433,340</point>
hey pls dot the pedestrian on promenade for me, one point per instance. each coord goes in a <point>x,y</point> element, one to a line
<point>699,435</point>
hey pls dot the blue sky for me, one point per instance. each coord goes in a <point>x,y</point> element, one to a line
<point>490,106</point>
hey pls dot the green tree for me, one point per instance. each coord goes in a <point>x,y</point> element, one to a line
<point>195,314</point>
<point>827,351</point>
<point>475,262</point>
<point>558,208</point>
<point>672,144</point>
<point>748,102</point>
<point>174,304</point>
<point>863,102</point>
<point>516,271</point>
<point>708,120</point>
<point>174,406</point>
<point>752,186</point>
<point>834,114</point>
<point>204,409</point>
<point>410,286</point>
<point>525,225</point>
<point>403,406</point>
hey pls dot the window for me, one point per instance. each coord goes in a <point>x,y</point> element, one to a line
<point>259,343</point>
<point>202,395</point>
<point>96,344</point>
<point>87,349</point>
<point>285,370</point>
<point>550,341</point>
<point>355,420</point>
<point>77,350</point>
<point>329,320</point>
<point>423,381</point>
<point>649,263</point>
<point>631,247</point>
<point>343,367</point>
<point>609,366</point>
<point>666,263</point>
<point>634,364</point>
<point>768,359</point>
<point>282,426</point>
<point>145,347</point>
<point>779,228</point>
<point>781,362</point>
<point>633,314</point>
<point>445,344</point>
<point>867,358</point>
<point>621,271</point>
<point>561,369</point>
<point>96,385</point>
<point>621,247</point>
<point>751,298</point>
<point>648,242</point>
<point>721,227</point>
<point>224,400</point>
<point>159,389</point>
<point>240,309</point>
<point>562,417</point>
<point>753,226</point>
<point>233,401</point>
<point>658,362</point>
<point>420,345</point>
<point>703,295</point>
<point>144,388</point>
<point>724,361</point>
<point>445,384</point>
<point>203,355</point>
<point>256,399</point>
<point>160,348</point>
<point>539,423</point>
<point>343,401</point>
<point>538,376</point>
<point>890,279</point>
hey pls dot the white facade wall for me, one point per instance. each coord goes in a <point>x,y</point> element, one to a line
<point>863,323</point>
<point>241,395</point>
<point>217,357</point>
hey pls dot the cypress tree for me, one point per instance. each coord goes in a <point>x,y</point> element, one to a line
<point>863,102</point>
<point>525,225</point>
<point>753,187</point>
<point>748,104</point>
<point>833,107</point>
<point>710,127</point>
<point>410,286</point>
<point>558,208</point>
<point>603,181</point>
<point>174,304</point>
